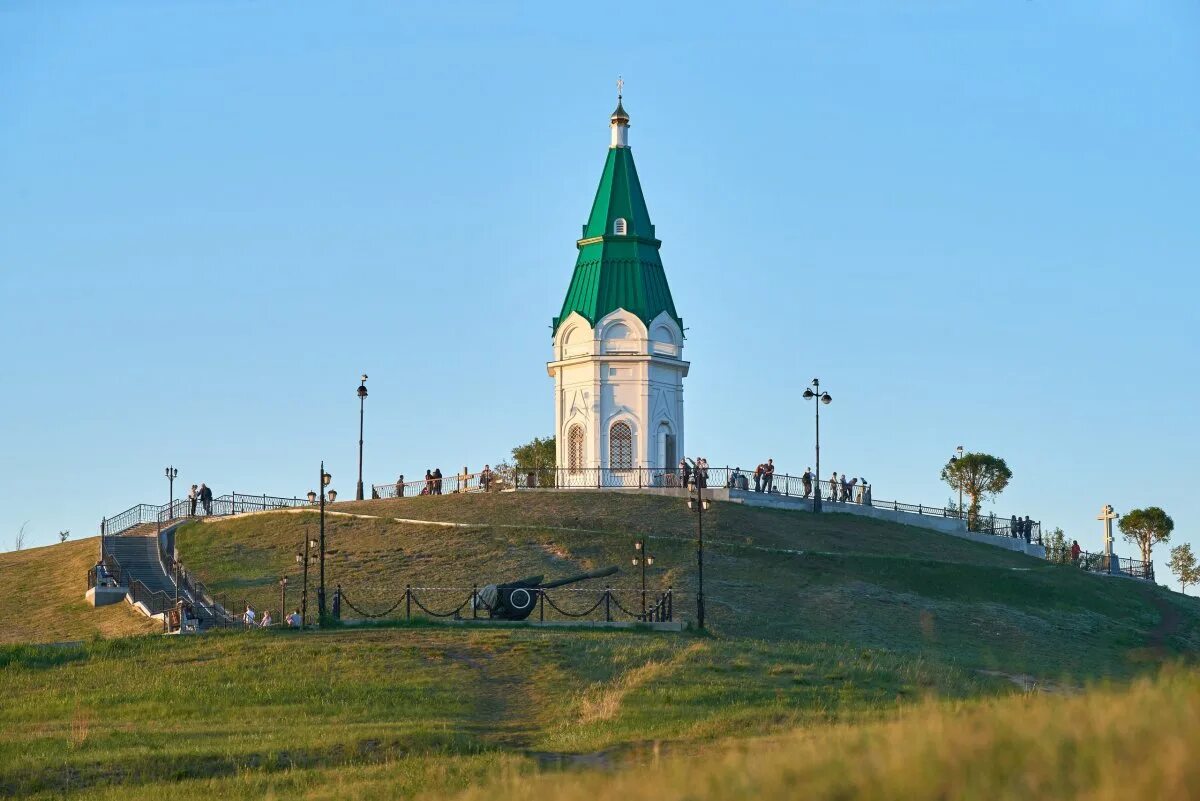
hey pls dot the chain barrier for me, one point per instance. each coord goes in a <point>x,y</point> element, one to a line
<point>350,604</point>
<point>585,613</point>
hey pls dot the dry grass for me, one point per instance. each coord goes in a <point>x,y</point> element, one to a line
<point>43,597</point>
<point>1106,745</point>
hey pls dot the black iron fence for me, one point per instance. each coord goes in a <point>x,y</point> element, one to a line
<point>234,503</point>
<point>467,603</point>
<point>506,478</point>
<point>1102,563</point>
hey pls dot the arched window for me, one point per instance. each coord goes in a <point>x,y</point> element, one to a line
<point>619,226</point>
<point>620,446</point>
<point>575,449</point>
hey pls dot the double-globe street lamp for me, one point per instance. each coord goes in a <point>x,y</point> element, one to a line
<point>323,482</point>
<point>304,560</point>
<point>700,505</point>
<point>826,398</point>
<point>362,397</point>
<point>172,474</point>
<point>643,559</point>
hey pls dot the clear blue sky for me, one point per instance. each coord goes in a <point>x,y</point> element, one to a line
<point>976,222</point>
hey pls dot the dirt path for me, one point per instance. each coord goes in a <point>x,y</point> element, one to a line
<point>1169,621</point>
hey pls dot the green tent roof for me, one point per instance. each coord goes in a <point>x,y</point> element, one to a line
<point>618,271</point>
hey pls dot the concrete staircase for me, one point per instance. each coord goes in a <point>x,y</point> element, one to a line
<point>138,556</point>
<point>137,552</point>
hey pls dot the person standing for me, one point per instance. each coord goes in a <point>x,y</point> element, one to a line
<point>768,475</point>
<point>428,483</point>
<point>845,488</point>
<point>685,471</point>
<point>702,473</point>
<point>1075,551</point>
<point>206,498</point>
<point>866,495</point>
<point>485,477</point>
<point>437,480</point>
<point>193,496</point>
<point>400,486</point>
<point>248,617</point>
<point>1027,529</point>
<point>833,487</point>
<point>807,478</point>
<point>758,477</point>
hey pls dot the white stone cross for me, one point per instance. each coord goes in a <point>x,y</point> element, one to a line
<point>1108,515</point>
<point>620,86</point>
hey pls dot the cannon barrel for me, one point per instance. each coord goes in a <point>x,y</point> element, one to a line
<point>601,573</point>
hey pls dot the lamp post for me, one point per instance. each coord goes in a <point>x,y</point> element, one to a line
<point>700,505</point>
<point>822,397</point>
<point>643,559</point>
<point>958,452</point>
<point>362,397</point>
<point>172,474</point>
<point>304,560</point>
<point>283,599</point>
<point>324,482</point>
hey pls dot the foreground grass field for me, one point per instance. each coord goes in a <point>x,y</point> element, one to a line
<point>846,658</point>
<point>42,598</point>
<point>432,712</point>
<point>436,707</point>
<point>770,574</point>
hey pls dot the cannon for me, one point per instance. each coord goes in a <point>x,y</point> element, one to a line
<point>515,600</point>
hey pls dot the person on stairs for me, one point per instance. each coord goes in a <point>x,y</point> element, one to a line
<point>206,498</point>
<point>193,496</point>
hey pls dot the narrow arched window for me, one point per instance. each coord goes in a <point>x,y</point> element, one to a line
<point>619,226</point>
<point>620,446</point>
<point>575,449</point>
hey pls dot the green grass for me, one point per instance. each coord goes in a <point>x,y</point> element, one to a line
<point>242,708</point>
<point>770,574</point>
<point>42,597</point>
<point>846,658</point>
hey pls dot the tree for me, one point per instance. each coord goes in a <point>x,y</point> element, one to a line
<point>62,535</point>
<point>20,540</point>
<point>979,476</point>
<point>1183,565</point>
<point>536,456</point>
<point>1146,527</point>
<point>1056,548</point>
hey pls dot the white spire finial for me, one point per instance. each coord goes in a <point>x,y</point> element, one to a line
<point>620,120</point>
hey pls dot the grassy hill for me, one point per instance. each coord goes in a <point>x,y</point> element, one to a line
<point>42,598</point>
<point>847,658</point>
<point>770,574</point>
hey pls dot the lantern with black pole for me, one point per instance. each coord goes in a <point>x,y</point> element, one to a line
<point>643,559</point>
<point>822,397</point>
<point>700,505</point>
<point>362,397</point>
<point>172,474</point>
<point>325,479</point>
<point>304,559</point>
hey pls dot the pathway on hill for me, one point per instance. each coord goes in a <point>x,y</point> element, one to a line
<point>709,541</point>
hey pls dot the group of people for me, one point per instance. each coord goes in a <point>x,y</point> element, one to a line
<point>251,620</point>
<point>433,482</point>
<point>202,495</point>
<point>764,478</point>
<point>1021,528</point>
<point>697,475</point>
<point>844,489</point>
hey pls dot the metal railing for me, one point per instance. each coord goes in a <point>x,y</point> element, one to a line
<point>1102,563</point>
<point>731,478</point>
<point>446,485</point>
